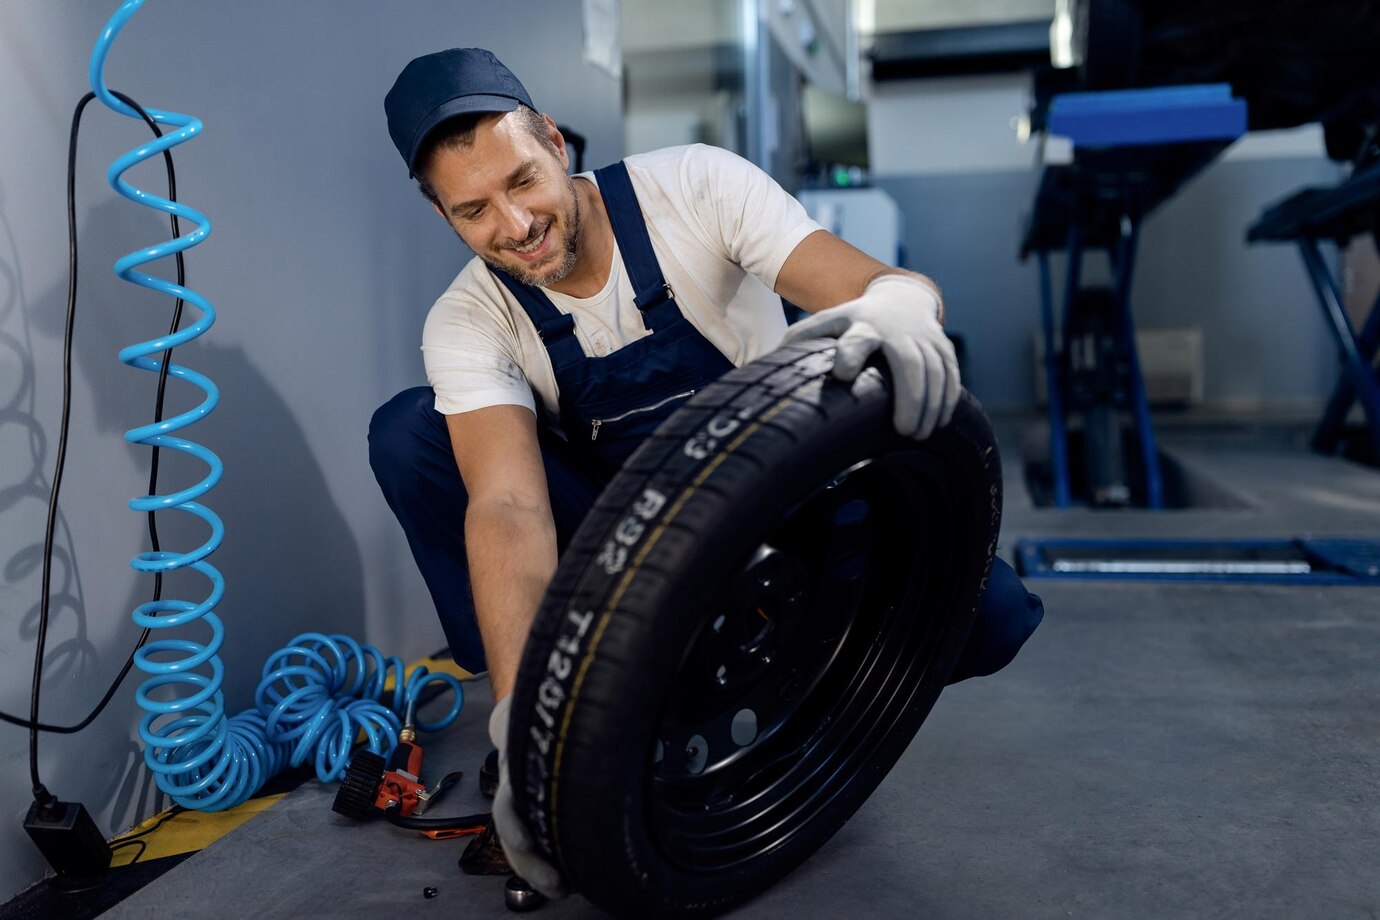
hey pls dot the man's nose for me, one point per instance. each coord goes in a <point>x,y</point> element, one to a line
<point>517,220</point>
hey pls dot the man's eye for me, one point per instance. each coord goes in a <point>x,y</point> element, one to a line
<point>472,215</point>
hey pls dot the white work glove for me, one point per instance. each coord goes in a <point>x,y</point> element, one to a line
<point>518,844</point>
<point>899,315</point>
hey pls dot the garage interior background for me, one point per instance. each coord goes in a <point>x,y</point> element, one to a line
<point>324,262</point>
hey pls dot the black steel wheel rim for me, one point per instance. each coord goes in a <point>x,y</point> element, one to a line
<point>823,636</point>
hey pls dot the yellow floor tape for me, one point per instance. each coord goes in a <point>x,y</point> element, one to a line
<point>187,831</point>
<point>190,831</point>
<point>436,666</point>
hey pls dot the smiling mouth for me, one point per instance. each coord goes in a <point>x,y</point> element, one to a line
<point>535,244</point>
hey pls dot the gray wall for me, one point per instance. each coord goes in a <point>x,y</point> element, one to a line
<point>322,263</point>
<point>1265,343</point>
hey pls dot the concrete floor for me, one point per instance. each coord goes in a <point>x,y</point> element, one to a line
<point>1155,751</point>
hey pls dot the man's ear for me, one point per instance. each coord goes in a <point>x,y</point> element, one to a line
<point>557,138</point>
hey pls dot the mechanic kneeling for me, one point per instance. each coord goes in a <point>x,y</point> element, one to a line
<point>612,296</point>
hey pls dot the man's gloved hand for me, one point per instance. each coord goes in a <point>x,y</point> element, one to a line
<point>518,844</point>
<point>899,315</point>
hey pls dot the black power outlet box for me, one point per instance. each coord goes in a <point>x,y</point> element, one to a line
<point>68,838</point>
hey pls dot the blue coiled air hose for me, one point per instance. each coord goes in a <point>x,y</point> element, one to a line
<point>319,693</point>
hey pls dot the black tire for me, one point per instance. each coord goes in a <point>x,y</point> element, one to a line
<point>879,610</point>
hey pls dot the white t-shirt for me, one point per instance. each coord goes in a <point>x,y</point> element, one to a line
<point>721,229</point>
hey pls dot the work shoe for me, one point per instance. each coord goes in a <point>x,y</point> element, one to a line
<point>488,775</point>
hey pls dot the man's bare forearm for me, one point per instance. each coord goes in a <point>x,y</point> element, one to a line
<point>823,271</point>
<point>512,556</point>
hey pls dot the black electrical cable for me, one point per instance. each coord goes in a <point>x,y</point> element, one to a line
<point>143,848</point>
<point>43,796</point>
<point>130,838</point>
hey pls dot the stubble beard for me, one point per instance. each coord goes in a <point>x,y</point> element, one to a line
<point>565,259</point>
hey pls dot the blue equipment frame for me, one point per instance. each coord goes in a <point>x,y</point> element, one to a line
<point>1299,561</point>
<point>1133,149</point>
<point>1338,213</point>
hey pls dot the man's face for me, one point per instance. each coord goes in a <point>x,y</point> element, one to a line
<point>508,197</point>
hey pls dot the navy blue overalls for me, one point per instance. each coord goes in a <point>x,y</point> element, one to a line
<point>608,406</point>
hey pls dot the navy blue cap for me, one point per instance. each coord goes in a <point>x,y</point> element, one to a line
<point>438,86</point>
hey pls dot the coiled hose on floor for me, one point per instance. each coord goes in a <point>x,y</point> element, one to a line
<point>319,693</point>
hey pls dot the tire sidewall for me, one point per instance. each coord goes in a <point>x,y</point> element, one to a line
<point>625,664</point>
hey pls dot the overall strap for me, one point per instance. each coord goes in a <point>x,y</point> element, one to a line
<point>650,290</point>
<point>556,329</point>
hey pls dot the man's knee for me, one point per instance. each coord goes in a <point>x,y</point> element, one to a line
<point>396,430</point>
<point>1019,611</point>
<point>1007,616</point>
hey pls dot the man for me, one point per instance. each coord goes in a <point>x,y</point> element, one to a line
<point>596,305</point>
